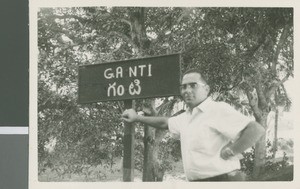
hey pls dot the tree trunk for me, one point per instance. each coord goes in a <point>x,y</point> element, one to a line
<point>159,171</point>
<point>260,151</point>
<point>275,134</point>
<point>259,105</point>
<point>139,37</point>
<point>151,169</point>
<point>148,167</point>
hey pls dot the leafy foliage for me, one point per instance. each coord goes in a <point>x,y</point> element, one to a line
<point>246,52</point>
<point>272,166</point>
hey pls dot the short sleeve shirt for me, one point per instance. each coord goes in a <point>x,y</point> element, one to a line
<point>203,132</point>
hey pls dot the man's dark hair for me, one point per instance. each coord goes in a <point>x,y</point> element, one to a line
<point>203,76</point>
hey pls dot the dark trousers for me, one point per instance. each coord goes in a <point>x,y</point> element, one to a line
<point>236,175</point>
<point>223,177</point>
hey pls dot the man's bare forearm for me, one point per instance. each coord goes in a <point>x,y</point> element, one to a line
<point>156,122</point>
<point>249,136</point>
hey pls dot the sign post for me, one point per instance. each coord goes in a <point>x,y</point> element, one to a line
<point>126,80</point>
<point>128,159</point>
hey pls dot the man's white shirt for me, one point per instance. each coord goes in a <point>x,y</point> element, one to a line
<point>203,132</point>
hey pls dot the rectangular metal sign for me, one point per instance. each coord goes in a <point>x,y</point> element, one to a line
<point>130,79</point>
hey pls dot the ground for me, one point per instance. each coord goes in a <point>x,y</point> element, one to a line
<point>102,174</point>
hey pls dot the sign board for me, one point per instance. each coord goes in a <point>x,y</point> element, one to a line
<point>130,79</point>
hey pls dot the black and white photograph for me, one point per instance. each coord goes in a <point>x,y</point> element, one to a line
<point>170,94</point>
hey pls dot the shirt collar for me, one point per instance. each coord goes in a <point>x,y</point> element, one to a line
<point>203,106</point>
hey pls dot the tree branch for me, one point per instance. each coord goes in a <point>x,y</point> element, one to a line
<point>236,83</point>
<point>253,102</point>
<point>126,22</point>
<point>251,52</point>
<point>124,37</point>
<point>120,107</point>
<point>262,100</point>
<point>275,86</point>
<point>279,45</point>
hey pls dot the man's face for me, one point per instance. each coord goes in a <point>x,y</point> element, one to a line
<point>193,89</point>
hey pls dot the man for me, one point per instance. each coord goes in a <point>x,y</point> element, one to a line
<point>211,133</point>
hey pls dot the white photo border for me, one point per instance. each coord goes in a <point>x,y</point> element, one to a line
<point>34,6</point>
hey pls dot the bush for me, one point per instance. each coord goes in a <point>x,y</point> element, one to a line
<point>274,168</point>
